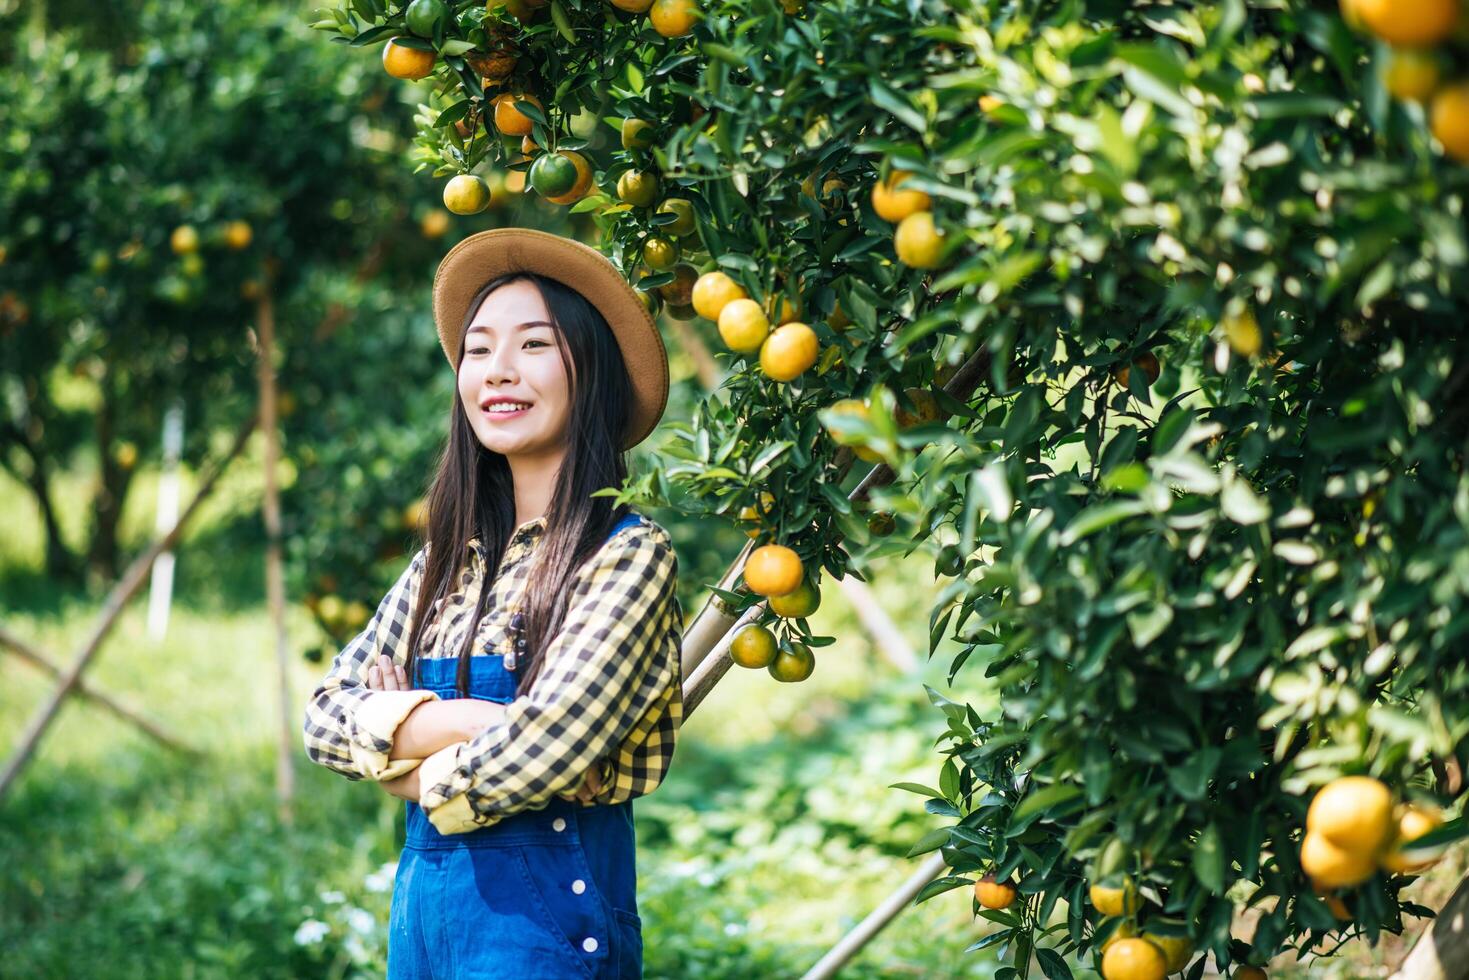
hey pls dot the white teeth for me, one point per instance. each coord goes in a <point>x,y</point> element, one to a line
<point>508,407</point>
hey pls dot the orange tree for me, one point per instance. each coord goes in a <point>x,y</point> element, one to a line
<point>1205,525</point>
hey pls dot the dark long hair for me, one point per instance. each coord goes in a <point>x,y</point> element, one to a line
<point>472,493</point>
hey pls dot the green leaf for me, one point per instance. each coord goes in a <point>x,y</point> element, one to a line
<point>1208,859</point>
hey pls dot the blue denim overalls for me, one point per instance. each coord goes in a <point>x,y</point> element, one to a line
<point>541,895</point>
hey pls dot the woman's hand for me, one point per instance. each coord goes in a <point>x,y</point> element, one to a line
<point>385,675</point>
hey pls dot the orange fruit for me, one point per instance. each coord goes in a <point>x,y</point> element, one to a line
<point>583,179</point>
<point>680,291</point>
<point>1177,950</point>
<point>798,604</point>
<point>1115,901</point>
<point>748,512</point>
<point>405,62</point>
<point>773,569</point>
<point>660,253</point>
<point>926,404</point>
<point>788,311</point>
<point>754,646</point>
<point>1242,332</point>
<point>918,242</point>
<point>1412,821</point>
<point>1330,866</point>
<point>1415,23</point>
<point>1148,361</point>
<point>1449,119</point>
<point>882,523</point>
<point>638,188</point>
<point>1125,930</point>
<point>1249,973</point>
<point>989,103</point>
<point>854,406</point>
<point>633,6</point>
<point>893,204</point>
<point>637,134</point>
<point>238,234</point>
<point>838,321</point>
<point>994,894</point>
<point>1410,75</point>
<point>466,194</point>
<point>1351,14</point>
<point>1133,959</point>
<point>684,212</point>
<point>509,120</point>
<point>673,18</point>
<point>184,240</point>
<point>434,223</point>
<point>1353,813</point>
<point>789,350</point>
<point>793,664</point>
<point>713,291</point>
<point>742,324</point>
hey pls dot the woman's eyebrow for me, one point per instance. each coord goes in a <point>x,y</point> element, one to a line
<point>529,323</point>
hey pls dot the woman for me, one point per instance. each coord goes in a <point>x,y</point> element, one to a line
<point>539,625</point>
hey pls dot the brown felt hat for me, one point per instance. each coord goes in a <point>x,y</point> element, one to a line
<point>488,254</point>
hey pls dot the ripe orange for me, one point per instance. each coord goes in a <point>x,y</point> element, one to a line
<point>1449,119</point>
<point>674,18</point>
<point>789,350</point>
<point>918,241</point>
<point>1330,866</point>
<point>238,234</point>
<point>1354,813</point>
<point>793,664</point>
<point>637,134</point>
<point>926,405</point>
<point>1412,821</point>
<point>684,223</point>
<point>405,62</point>
<point>434,223</point>
<point>838,321</point>
<point>466,194</point>
<point>638,188</point>
<point>754,646</point>
<point>1177,950</point>
<point>854,406</point>
<point>583,179</point>
<point>748,513</point>
<point>184,240</point>
<point>660,253</point>
<point>773,569</point>
<point>788,311</point>
<point>713,291</point>
<point>1410,75</point>
<point>633,6</point>
<point>1115,901</point>
<point>742,324</point>
<point>993,894</point>
<point>1415,23</point>
<point>1148,361</point>
<point>1125,930</point>
<point>893,204</point>
<point>1134,959</point>
<point>509,120</point>
<point>1242,332</point>
<point>798,604</point>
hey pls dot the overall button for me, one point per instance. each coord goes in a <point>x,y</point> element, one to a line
<point>578,886</point>
<point>559,824</point>
<point>589,944</point>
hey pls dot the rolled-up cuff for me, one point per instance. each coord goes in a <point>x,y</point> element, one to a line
<point>451,815</point>
<point>376,722</point>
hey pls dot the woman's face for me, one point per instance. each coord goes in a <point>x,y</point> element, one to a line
<point>510,353</point>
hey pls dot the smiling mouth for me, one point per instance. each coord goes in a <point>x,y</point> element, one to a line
<point>494,411</point>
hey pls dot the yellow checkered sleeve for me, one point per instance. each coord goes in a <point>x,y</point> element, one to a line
<point>610,687</point>
<point>349,727</point>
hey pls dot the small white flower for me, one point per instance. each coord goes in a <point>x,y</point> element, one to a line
<point>311,932</point>
<point>382,879</point>
<point>333,898</point>
<point>361,921</point>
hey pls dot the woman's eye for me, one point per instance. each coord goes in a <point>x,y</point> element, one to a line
<point>541,342</point>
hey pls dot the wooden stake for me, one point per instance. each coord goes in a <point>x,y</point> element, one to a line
<point>853,942</point>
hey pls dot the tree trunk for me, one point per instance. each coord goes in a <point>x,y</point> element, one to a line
<point>112,487</point>
<point>61,564</point>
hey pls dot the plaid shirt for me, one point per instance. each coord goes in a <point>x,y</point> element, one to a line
<point>610,691</point>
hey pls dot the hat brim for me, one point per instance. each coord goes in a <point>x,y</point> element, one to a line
<point>488,254</point>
